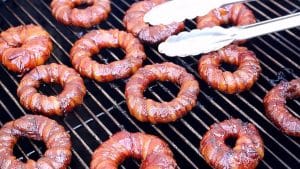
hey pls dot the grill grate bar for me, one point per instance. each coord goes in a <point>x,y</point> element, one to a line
<point>276,34</point>
<point>268,67</point>
<point>280,53</point>
<point>282,7</point>
<point>273,11</point>
<point>82,162</point>
<point>294,5</point>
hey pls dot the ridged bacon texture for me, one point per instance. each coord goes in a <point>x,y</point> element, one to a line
<point>247,152</point>
<point>91,43</point>
<point>66,12</point>
<point>57,140</point>
<point>24,47</point>
<point>153,152</point>
<point>71,95</point>
<point>242,79</point>
<point>148,110</point>
<point>275,106</point>
<point>134,23</point>
<point>236,14</point>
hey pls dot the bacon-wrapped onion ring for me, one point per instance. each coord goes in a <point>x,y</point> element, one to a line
<point>275,102</point>
<point>65,11</point>
<point>71,95</point>
<point>153,152</point>
<point>247,152</point>
<point>148,110</point>
<point>57,140</point>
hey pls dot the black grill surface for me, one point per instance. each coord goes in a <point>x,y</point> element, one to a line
<point>104,111</point>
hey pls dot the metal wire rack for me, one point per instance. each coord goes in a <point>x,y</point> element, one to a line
<point>104,111</point>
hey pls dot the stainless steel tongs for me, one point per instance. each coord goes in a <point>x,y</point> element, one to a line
<point>211,39</point>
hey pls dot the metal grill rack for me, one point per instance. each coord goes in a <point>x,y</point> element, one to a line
<point>104,111</point>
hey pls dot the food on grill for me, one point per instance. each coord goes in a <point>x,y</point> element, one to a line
<point>68,13</point>
<point>242,79</point>
<point>24,47</point>
<point>153,152</point>
<point>236,14</point>
<point>57,140</point>
<point>248,149</point>
<point>91,43</point>
<point>134,22</point>
<point>71,95</point>
<point>148,110</point>
<point>275,108</point>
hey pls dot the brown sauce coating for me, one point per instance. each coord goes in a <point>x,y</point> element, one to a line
<point>24,47</point>
<point>153,152</point>
<point>66,12</point>
<point>148,110</point>
<point>236,14</point>
<point>57,140</point>
<point>247,152</point>
<point>275,106</point>
<point>71,95</point>
<point>240,80</point>
<point>134,22</point>
<point>94,41</point>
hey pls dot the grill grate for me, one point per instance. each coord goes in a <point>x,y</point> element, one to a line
<point>104,111</point>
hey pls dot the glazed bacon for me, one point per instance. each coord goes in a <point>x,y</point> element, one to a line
<point>91,43</point>
<point>153,152</point>
<point>148,110</point>
<point>71,95</point>
<point>134,23</point>
<point>66,12</point>
<point>236,14</point>
<point>240,80</point>
<point>247,152</point>
<point>57,140</point>
<point>24,47</point>
<point>275,106</point>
